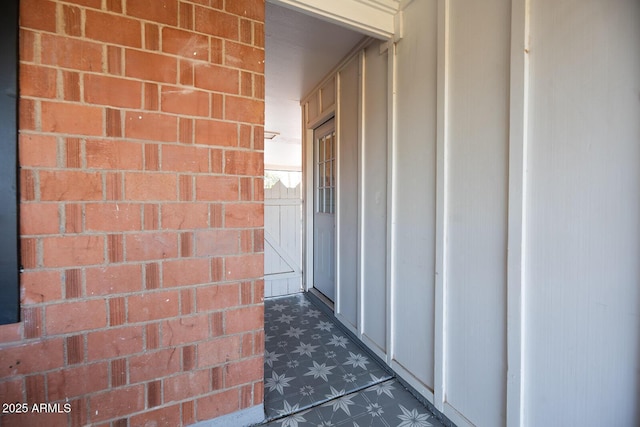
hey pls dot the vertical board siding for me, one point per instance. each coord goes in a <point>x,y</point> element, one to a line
<point>374,188</point>
<point>348,124</point>
<point>582,294</point>
<point>414,193</point>
<point>477,177</point>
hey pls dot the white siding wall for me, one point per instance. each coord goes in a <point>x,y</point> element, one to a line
<point>477,186</point>
<point>582,364</point>
<point>492,108</point>
<point>414,195</point>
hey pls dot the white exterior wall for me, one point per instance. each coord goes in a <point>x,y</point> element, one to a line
<point>508,290</point>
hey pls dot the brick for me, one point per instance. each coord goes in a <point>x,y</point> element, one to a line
<point>185,272</point>
<point>114,342</point>
<point>115,248</point>
<point>244,109</point>
<point>244,215</point>
<point>217,378</point>
<point>186,245</point>
<point>35,389</point>
<point>245,31</point>
<point>71,53</point>
<point>185,101</point>
<point>157,364</point>
<point>73,153</point>
<point>164,417</point>
<point>218,351</point>
<point>73,251</point>
<point>248,8</point>
<point>188,357</point>
<point>151,37</point>
<point>75,316</point>
<point>216,188</point>
<point>10,334</point>
<point>96,4</point>
<point>216,133</point>
<point>117,311</point>
<point>184,386</point>
<point>217,78</point>
<point>245,293</point>
<point>154,394</point>
<point>27,41</point>
<point>151,246</point>
<point>151,97</point>
<point>180,158</point>
<point>258,34</point>
<point>216,405</point>
<point>217,106</point>
<point>217,242</point>
<point>152,276</point>
<point>244,319</point>
<point>114,190</point>
<point>72,18</point>
<point>112,91</point>
<point>245,136</point>
<point>258,240</point>
<point>113,155</point>
<point>114,279</point>
<point>38,14</point>
<point>73,218</point>
<point>71,119</point>
<point>118,372</point>
<point>113,122</point>
<point>216,23</point>
<point>186,188</point>
<point>216,51</point>
<point>30,419</point>
<point>185,216</point>
<point>186,131</point>
<point>40,286</point>
<point>71,86</point>
<point>116,402</point>
<point>113,217</point>
<point>78,415</point>
<point>244,267</point>
<point>151,157</point>
<point>75,349</point>
<point>12,391</point>
<point>151,217</point>
<point>39,218</point>
<point>114,6</point>
<point>153,306</point>
<point>150,186</point>
<point>244,57</point>
<point>216,216</point>
<point>152,334</point>
<point>217,297</point>
<point>151,126</point>
<point>246,189</point>
<point>186,16</point>
<point>165,11</point>
<point>184,330</point>
<point>185,43</point>
<point>114,60</point>
<point>27,116</point>
<point>102,27</point>
<point>187,71</point>
<point>258,88</point>
<point>187,300</point>
<point>32,322</point>
<point>217,324</point>
<point>243,372</point>
<point>37,150</point>
<point>72,382</point>
<point>28,253</point>
<point>151,66</point>
<point>37,81</point>
<point>73,283</point>
<point>38,356</point>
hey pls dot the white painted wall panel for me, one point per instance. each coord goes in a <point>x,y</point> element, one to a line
<point>374,198</point>
<point>348,124</point>
<point>477,182</point>
<point>414,193</point>
<point>582,304</point>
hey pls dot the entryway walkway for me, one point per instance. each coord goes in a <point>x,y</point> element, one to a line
<point>315,375</point>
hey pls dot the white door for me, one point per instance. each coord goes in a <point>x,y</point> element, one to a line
<point>324,218</point>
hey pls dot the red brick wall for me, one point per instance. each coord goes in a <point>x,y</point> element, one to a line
<point>141,216</point>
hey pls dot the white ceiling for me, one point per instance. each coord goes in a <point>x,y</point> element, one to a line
<point>299,51</point>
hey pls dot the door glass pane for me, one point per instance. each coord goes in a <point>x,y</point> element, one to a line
<point>321,150</point>
<point>329,147</point>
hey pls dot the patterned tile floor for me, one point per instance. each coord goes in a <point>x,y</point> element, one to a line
<point>315,375</point>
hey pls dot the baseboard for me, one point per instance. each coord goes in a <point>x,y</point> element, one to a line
<point>246,417</point>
